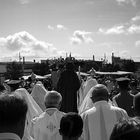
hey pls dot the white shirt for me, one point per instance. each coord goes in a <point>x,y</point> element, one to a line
<point>46,126</point>
<point>100,120</point>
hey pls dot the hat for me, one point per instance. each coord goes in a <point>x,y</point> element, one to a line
<point>123,82</point>
<point>122,79</point>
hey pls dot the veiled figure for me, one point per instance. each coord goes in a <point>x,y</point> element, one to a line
<point>87,102</point>
<point>68,85</point>
<point>38,94</point>
<point>90,82</point>
<point>33,111</point>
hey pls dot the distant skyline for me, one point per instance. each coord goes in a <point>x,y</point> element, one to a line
<point>39,29</point>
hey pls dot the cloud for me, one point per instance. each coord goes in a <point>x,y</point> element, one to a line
<point>132,2</point>
<point>27,45</point>
<point>50,27</point>
<point>58,27</point>
<point>24,1</point>
<point>81,37</point>
<point>137,43</point>
<point>125,54</point>
<point>126,29</point>
<point>114,30</point>
<point>134,29</point>
<point>136,18</point>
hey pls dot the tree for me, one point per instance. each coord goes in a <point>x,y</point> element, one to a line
<point>14,71</point>
<point>129,65</point>
<point>41,68</point>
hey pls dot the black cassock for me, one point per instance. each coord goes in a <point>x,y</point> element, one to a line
<point>67,86</point>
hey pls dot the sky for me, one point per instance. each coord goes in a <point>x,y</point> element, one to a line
<point>41,29</point>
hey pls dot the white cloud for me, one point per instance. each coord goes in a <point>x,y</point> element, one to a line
<point>136,18</point>
<point>114,30</point>
<point>50,27</point>
<point>132,2</point>
<point>24,1</point>
<point>137,43</point>
<point>81,37</point>
<point>134,29</point>
<point>58,27</point>
<point>27,45</point>
<point>121,29</point>
<point>125,54</point>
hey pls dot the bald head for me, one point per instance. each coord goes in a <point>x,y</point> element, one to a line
<point>52,99</point>
<point>100,92</point>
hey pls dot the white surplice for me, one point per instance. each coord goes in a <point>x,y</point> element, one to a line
<point>87,102</point>
<point>38,94</point>
<point>33,111</point>
<point>100,120</point>
<point>46,126</point>
<point>90,82</point>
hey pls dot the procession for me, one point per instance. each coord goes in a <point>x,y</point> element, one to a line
<point>99,102</point>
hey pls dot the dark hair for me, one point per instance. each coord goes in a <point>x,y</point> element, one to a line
<point>71,125</point>
<point>13,109</point>
<point>126,130</point>
<point>136,103</point>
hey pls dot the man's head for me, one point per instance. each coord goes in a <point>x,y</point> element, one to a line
<point>126,130</point>
<point>13,111</point>
<point>71,126</point>
<point>123,83</point>
<point>136,104</point>
<point>100,92</point>
<point>53,99</point>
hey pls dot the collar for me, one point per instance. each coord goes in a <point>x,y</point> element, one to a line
<point>99,103</point>
<point>51,108</point>
<point>12,136</point>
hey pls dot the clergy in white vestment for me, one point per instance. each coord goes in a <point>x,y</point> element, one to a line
<point>38,94</point>
<point>87,102</point>
<point>33,111</point>
<point>46,126</point>
<point>90,82</point>
<point>101,118</point>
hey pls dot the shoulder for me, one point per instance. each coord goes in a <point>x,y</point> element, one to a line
<point>89,111</point>
<point>39,118</point>
<point>119,110</point>
<point>60,113</point>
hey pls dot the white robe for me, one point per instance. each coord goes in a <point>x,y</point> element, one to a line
<point>100,120</point>
<point>33,111</point>
<point>38,94</point>
<point>46,126</point>
<point>91,82</point>
<point>87,102</point>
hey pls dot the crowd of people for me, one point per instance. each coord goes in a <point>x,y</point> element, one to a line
<point>73,108</point>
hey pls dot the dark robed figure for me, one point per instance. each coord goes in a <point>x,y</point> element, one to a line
<point>68,86</point>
